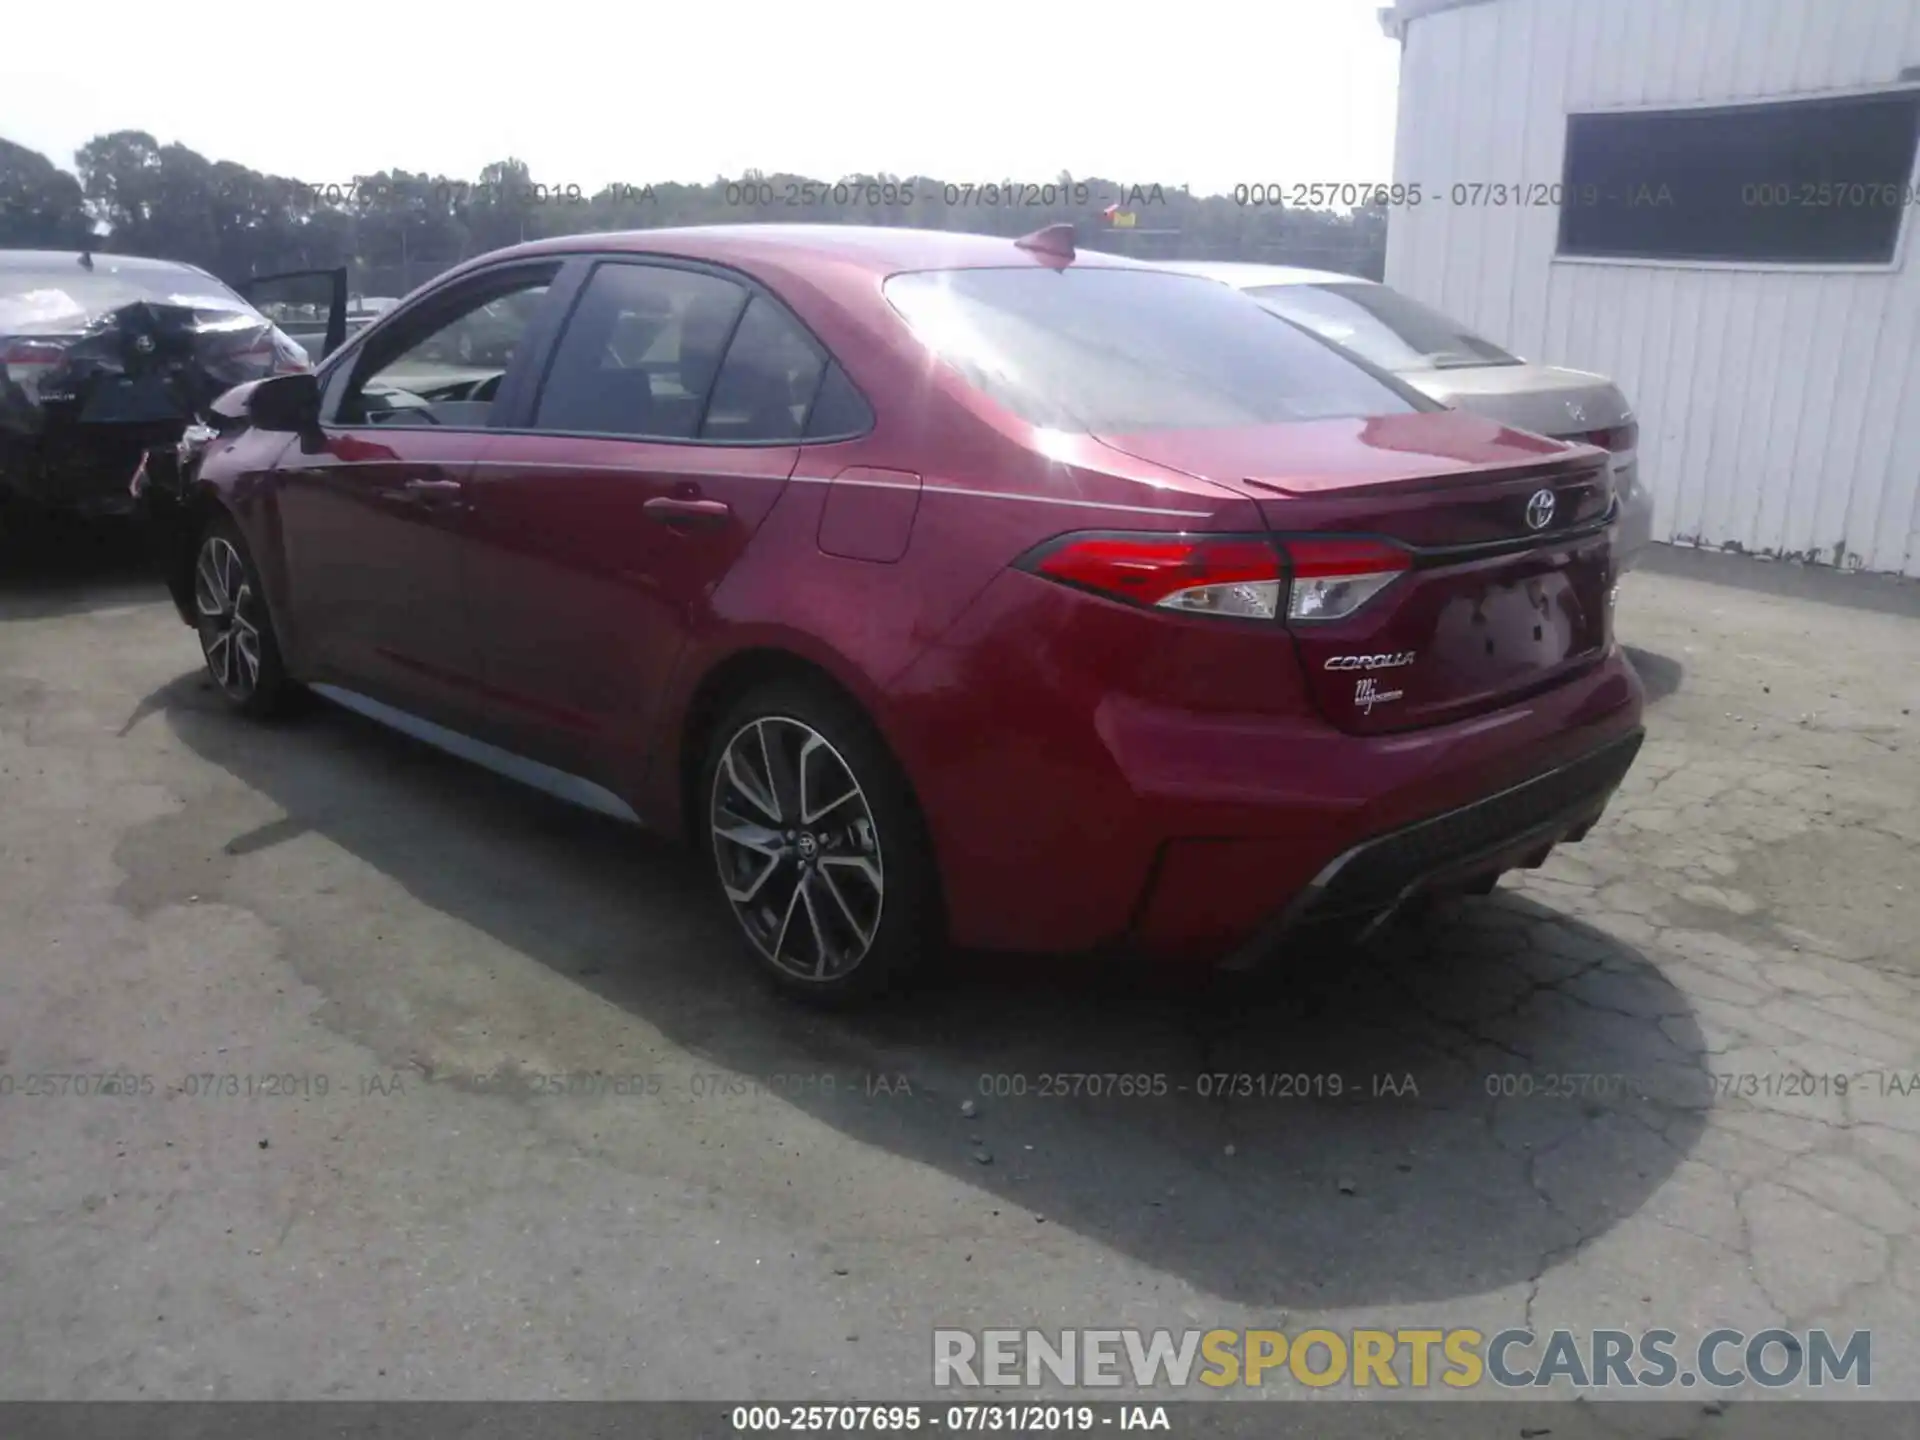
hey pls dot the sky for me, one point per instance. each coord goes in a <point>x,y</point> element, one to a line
<point>1206,93</point>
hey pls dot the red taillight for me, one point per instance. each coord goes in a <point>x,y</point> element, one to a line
<point>289,356</point>
<point>1333,576</point>
<point>30,352</point>
<point>257,354</point>
<point>1324,577</point>
<point>1617,438</point>
<point>27,362</point>
<point>253,354</point>
<point>1199,574</point>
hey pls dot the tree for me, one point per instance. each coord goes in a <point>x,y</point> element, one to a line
<point>120,174</point>
<point>41,206</point>
<point>505,207</point>
<point>396,228</point>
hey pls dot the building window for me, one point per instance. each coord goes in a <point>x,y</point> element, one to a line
<point>1816,182</point>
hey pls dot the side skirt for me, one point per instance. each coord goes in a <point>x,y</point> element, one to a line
<point>574,789</point>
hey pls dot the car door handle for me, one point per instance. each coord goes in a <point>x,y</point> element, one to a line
<point>429,494</point>
<point>687,514</point>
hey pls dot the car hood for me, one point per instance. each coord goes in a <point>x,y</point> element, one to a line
<point>1545,399</point>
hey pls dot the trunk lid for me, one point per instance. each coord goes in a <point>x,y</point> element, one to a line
<point>1506,589</point>
<point>1571,405</point>
<point>1546,399</point>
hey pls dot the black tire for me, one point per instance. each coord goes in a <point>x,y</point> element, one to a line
<point>230,606</point>
<point>836,867</point>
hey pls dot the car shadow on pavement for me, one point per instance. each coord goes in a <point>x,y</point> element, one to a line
<point>61,566</point>
<point>1441,1116</point>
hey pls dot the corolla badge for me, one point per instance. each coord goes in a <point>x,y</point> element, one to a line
<point>1370,662</point>
<point>1540,510</point>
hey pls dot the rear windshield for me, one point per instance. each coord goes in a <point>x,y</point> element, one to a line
<point>1382,325</point>
<point>1108,351</point>
<point>66,297</point>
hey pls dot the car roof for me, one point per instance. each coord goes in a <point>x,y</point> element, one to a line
<point>41,261</point>
<point>1244,275</point>
<point>881,249</point>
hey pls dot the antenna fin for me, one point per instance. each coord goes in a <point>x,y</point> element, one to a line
<point>1055,240</point>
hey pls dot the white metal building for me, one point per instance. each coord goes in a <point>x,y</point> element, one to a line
<point>1711,201</point>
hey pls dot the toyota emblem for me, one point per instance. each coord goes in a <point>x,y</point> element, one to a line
<point>1540,510</point>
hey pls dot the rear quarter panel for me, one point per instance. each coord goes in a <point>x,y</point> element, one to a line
<point>985,501</point>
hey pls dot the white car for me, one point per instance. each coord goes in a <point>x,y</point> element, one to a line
<point>1448,362</point>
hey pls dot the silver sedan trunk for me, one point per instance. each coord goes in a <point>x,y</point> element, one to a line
<point>1450,363</point>
<point>1564,404</point>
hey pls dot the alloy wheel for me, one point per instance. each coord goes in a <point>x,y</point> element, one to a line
<point>229,617</point>
<point>797,848</point>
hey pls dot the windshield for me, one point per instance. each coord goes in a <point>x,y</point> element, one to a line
<point>1101,350</point>
<point>67,297</point>
<point>1382,325</point>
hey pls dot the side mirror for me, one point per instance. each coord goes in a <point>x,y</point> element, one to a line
<point>284,403</point>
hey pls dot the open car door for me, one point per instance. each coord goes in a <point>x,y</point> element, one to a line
<point>309,305</point>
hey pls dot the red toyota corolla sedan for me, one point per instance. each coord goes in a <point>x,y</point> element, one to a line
<point>943,589</point>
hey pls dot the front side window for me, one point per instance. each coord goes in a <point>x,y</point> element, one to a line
<point>1114,351</point>
<point>446,371</point>
<point>1382,325</point>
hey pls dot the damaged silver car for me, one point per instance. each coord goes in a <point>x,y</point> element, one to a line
<point>104,356</point>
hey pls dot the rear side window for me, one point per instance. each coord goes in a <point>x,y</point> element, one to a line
<point>1114,351</point>
<point>640,353</point>
<point>839,410</point>
<point>768,380</point>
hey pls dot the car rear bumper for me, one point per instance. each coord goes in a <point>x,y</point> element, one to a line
<point>83,471</point>
<point>1463,850</point>
<point>1069,816</point>
<point>1440,811</point>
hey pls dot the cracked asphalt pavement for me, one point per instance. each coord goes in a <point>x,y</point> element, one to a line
<point>1609,1095</point>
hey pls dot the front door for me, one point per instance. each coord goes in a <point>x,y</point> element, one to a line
<point>308,306</point>
<point>374,506</point>
<point>667,424</point>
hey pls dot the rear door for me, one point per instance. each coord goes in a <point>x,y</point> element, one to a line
<point>373,507</point>
<point>664,427</point>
